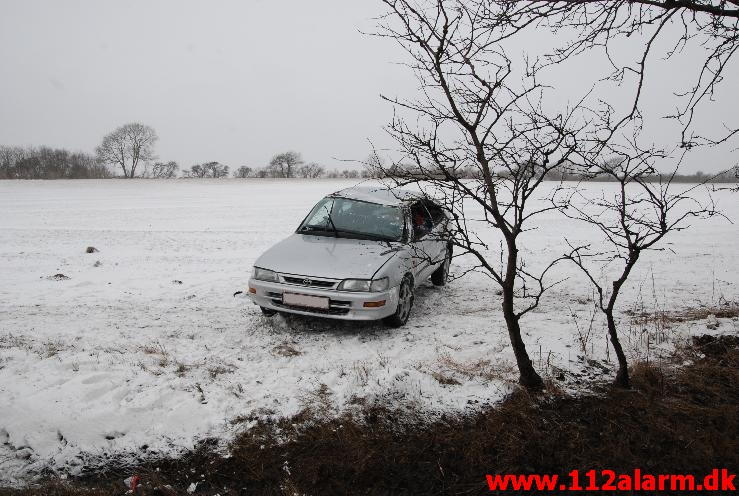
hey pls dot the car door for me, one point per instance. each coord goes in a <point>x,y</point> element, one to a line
<point>436,240</point>
<point>439,236</point>
<point>425,244</point>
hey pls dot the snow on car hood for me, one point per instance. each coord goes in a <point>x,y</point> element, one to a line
<point>326,256</point>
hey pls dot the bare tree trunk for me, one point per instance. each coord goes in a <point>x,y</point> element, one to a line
<point>134,163</point>
<point>622,376</point>
<point>528,377</point>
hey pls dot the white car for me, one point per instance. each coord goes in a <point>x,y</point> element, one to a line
<point>357,256</point>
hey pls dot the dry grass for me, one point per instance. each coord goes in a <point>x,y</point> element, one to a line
<point>648,377</point>
<point>8,341</point>
<point>63,488</point>
<point>317,402</point>
<point>445,380</point>
<point>51,349</point>
<point>161,357</point>
<point>154,349</point>
<point>286,350</point>
<point>728,310</point>
<point>216,370</point>
<point>477,369</point>
<point>181,369</point>
<point>361,371</point>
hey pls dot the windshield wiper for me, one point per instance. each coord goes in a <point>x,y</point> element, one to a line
<point>369,236</point>
<point>314,228</point>
<point>333,226</point>
<point>317,229</point>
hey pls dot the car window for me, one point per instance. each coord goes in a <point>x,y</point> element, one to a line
<point>319,215</point>
<point>354,218</point>
<point>437,214</point>
<point>422,221</point>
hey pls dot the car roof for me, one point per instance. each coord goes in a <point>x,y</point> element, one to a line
<point>379,194</point>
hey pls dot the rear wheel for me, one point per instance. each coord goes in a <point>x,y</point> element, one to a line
<point>405,303</point>
<point>440,275</point>
<point>268,312</point>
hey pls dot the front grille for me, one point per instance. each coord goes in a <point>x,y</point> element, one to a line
<point>308,282</point>
<point>318,311</point>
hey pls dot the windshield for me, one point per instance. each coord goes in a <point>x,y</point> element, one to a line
<point>345,218</point>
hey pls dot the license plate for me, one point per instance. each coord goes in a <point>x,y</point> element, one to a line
<point>302,300</point>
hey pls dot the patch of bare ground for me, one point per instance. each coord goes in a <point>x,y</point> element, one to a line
<point>674,421</point>
<point>725,310</point>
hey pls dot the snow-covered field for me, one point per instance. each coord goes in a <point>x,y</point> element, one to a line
<point>144,349</point>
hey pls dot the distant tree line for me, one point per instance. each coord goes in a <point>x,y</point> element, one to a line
<point>563,173</point>
<point>130,148</point>
<point>209,169</point>
<point>291,164</point>
<point>568,173</point>
<point>54,163</point>
<point>49,163</point>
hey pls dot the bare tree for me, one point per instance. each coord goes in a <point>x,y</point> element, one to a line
<point>215,170</point>
<point>310,171</point>
<point>374,165</point>
<point>165,170</point>
<point>243,172</point>
<point>127,146</point>
<point>209,169</point>
<point>285,164</point>
<point>196,170</point>
<point>478,116</point>
<point>10,156</point>
<point>646,208</point>
<point>633,220</point>
<point>708,28</point>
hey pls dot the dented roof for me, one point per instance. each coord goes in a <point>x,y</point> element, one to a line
<point>378,194</point>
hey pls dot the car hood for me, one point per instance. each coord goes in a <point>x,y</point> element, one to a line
<point>326,256</point>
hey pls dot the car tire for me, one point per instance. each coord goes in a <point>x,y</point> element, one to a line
<point>440,275</point>
<point>405,304</point>
<point>268,312</point>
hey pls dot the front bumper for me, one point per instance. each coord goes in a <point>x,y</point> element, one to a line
<point>344,305</point>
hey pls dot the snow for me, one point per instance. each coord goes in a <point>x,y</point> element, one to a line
<point>145,350</point>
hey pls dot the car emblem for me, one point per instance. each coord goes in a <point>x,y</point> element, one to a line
<point>307,282</point>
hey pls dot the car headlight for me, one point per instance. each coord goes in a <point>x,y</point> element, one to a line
<point>367,285</point>
<point>380,284</point>
<point>265,275</point>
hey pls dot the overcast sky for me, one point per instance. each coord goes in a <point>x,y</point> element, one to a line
<point>231,81</point>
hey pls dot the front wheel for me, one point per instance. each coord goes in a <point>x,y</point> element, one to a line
<point>440,275</point>
<point>405,303</point>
